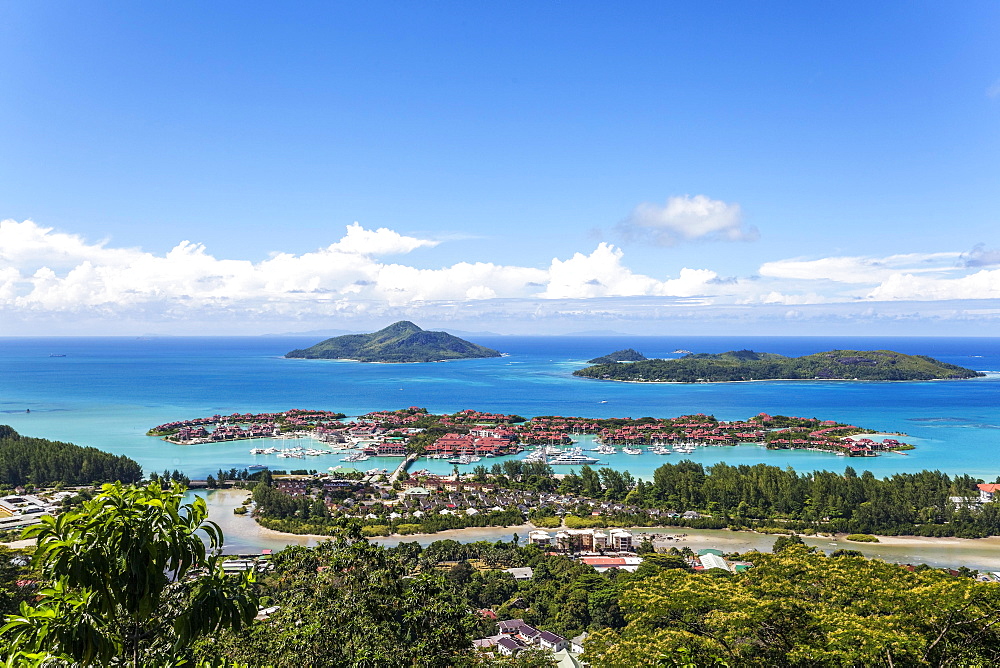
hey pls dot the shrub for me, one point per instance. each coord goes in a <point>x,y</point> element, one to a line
<point>406,529</point>
<point>547,522</point>
<point>862,538</point>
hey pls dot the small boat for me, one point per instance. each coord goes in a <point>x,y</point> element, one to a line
<point>256,467</point>
<point>631,451</point>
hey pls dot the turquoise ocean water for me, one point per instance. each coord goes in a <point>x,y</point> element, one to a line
<point>106,392</point>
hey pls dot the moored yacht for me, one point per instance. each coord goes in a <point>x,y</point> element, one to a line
<point>572,458</point>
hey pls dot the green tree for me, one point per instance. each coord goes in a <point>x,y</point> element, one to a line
<point>801,608</point>
<point>130,580</point>
<point>352,605</point>
<point>784,542</point>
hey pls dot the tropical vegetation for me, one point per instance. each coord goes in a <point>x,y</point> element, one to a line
<point>400,342</point>
<point>742,365</point>
<point>38,461</point>
<point>801,608</point>
<point>128,578</point>
<point>627,355</point>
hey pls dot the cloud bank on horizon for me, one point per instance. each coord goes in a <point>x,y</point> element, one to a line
<point>44,272</point>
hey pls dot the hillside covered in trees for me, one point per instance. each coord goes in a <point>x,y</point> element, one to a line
<point>400,342</point>
<point>627,355</point>
<point>39,461</point>
<point>351,604</point>
<point>740,365</point>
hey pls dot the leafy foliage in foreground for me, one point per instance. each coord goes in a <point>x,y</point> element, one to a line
<point>798,608</point>
<point>749,365</point>
<point>25,460</point>
<point>123,588</point>
<point>128,581</point>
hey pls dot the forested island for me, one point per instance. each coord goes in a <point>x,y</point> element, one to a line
<point>400,342</point>
<point>745,365</point>
<point>25,460</point>
<point>627,355</point>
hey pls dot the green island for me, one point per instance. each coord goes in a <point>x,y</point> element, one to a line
<point>746,365</point>
<point>627,355</point>
<point>400,342</point>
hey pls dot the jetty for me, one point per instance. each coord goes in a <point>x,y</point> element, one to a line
<point>403,465</point>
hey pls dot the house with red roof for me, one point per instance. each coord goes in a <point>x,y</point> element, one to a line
<point>988,492</point>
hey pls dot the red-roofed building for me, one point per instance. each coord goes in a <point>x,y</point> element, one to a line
<point>988,492</point>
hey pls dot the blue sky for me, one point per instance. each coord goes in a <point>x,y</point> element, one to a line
<point>517,167</point>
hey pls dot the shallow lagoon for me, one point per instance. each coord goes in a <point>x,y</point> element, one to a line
<point>107,392</point>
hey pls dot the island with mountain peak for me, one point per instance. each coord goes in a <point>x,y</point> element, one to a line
<point>746,365</point>
<point>400,342</point>
<point>627,355</point>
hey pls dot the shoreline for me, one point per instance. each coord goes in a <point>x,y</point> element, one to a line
<point>774,380</point>
<point>229,502</point>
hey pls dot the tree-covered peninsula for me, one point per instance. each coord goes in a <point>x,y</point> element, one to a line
<point>740,365</point>
<point>25,460</point>
<point>627,355</point>
<point>400,342</point>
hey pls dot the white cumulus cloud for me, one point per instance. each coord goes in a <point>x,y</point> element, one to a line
<point>686,218</point>
<point>45,270</point>
<point>602,274</point>
<point>382,241</point>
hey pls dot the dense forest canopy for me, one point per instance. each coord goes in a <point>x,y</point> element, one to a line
<point>740,365</point>
<point>351,604</point>
<point>627,355</point>
<point>901,504</point>
<point>400,342</point>
<point>801,608</point>
<point>25,460</point>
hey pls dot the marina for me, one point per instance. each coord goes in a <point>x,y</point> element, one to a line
<point>106,398</point>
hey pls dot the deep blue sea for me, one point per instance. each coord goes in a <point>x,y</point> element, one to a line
<point>106,392</point>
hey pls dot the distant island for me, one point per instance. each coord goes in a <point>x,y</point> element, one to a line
<point>400,342</point>
<point>627,355</point>
<point>742,365</point>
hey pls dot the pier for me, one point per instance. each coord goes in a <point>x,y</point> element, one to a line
<point>403,465</point>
